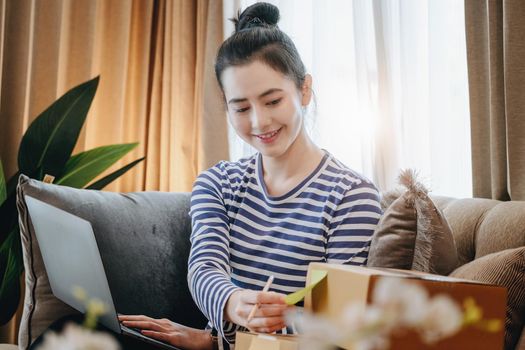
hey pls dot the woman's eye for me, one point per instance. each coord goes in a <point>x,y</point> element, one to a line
<point>274,102</point>
<point>241,110</point>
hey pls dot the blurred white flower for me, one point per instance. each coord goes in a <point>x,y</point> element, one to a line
<point>317,333</point>
<point>376,342</point>
<point>443,319</point>
<point>407,300</point>
<point>354,316</point>
<point>386,290</point>
<point>75,337</point>
<point>397,304</point>
<point>368,326</point>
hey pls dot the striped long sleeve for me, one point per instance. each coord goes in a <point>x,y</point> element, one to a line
<point>241,234</point>
<point>208,265</point>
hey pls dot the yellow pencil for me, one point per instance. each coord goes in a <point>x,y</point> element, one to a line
<point>256,306</point>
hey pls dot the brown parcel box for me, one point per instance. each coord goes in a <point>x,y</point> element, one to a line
<point>345,284</point>
<point>254,341</point>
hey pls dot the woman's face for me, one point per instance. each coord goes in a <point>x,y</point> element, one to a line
<point>264,106</point>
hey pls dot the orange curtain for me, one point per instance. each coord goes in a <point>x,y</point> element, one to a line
<point>155,60</point>
<point>188,129</point>
<point>157,85</point>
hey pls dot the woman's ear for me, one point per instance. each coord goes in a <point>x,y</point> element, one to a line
<point>306,90</point>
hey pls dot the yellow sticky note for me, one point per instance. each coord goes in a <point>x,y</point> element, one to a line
<point>294,298</point>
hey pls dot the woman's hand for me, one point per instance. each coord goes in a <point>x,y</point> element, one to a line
<point>270,313</point>
<point>169,332</point>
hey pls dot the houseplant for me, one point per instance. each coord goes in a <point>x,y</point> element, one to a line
<point>46,148</point>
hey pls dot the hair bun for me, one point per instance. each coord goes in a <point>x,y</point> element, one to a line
<point>260,14</point>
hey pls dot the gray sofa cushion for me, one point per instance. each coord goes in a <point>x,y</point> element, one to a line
<point>143,240</point>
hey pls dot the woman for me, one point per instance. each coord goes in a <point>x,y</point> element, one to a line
<point>273,213</point>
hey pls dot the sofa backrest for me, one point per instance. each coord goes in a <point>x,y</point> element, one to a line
<point>483,226</point>
<point>144,243</point>
<point>143,240</point>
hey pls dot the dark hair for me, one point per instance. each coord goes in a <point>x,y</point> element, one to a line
<point>257,37</point>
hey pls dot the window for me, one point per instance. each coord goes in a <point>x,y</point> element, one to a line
<point>390,79</point>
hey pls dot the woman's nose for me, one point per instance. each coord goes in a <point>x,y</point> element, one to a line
<point>260,119</point>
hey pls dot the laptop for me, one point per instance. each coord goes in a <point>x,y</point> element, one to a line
<point>72,259</point>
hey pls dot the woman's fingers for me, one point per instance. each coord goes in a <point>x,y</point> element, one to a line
<point>265,322</point>
<point>268,329</point>
<point>147,325</point>
<point>269,310</point>
<point>254,297</point>
<point>264,310</point>
<point>134,318</point>
<point>141,321</point>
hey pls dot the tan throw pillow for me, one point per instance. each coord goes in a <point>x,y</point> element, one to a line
<point>395,236</point>
<point>413,234</point>
<point>505,268</point>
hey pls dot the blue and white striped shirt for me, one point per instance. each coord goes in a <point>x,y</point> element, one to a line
<point>241,235</point>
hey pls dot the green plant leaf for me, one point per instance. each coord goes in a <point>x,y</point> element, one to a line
<point>11,184</point>
<point>84,167</point>
<point>8,213</point>
<point>10,269</point>
<point>4,209</point>
<point>3,190</point>
<point>49,141</point>
<point>100,184</point>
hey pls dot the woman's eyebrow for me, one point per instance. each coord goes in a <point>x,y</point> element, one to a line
<point>266,93</point>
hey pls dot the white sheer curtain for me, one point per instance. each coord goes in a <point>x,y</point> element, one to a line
<point>390,79</point>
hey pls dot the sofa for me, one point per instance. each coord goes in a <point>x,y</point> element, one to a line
<point>144,243</point>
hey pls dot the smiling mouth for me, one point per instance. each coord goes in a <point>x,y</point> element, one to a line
<point>268,135</point>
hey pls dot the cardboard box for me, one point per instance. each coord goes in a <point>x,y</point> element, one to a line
<point>254,341</point>
<point>347,284</point>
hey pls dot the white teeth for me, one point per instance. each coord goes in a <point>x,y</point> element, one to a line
<point>268,135</point>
